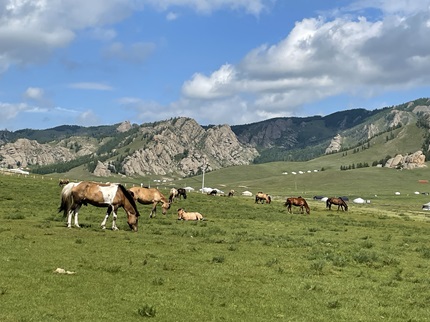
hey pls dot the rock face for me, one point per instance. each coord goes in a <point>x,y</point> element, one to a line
<point>181,146</point>
<point>412,161</point>
<point>124,126</point>
<point>102,170</point>
<point>26,152</point>
<point>335,145</point>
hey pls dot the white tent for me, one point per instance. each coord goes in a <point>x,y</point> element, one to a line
<point>188,189</point>
<point>247,193</point>
<point>359,200</point>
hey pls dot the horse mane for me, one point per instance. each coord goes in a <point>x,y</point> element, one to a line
<point>129,197</point>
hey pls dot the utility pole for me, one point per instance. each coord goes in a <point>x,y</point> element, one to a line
<point>203,174</point>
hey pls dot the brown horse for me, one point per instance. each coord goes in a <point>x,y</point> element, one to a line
<point>112,196</point>
<point>341,204</point>
<point>298,202</point>
<point>183,215</point>
<point>147,196</point>
<point>262,197</point>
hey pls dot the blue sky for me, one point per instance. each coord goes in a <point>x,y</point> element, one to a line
<point>87,63</point>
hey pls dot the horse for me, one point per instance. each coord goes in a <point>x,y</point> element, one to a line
<point>153,196</point>
<point>63,182</point>
<point>298,202</point>
<point>183,215</point>
<point>110,195</point>
<point>231,193</point>
<point>177,193</point>
<point>341,204</point>
<point>212,193</point>
<point>262,197</point>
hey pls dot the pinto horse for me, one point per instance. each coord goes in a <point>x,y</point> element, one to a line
<point>112,196</point>
<point>262,197</point>
<point>177,193</point>
<point>298,202</point>
<point>341,204</point>
<point>63,182</point>
<point>147,196</point>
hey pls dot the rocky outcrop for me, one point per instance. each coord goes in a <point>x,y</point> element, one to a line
<point>411,161</point>
<point>335,145</point>
<point>124,126</point>
<point>181,146</point>
<point>102,170</point>
<point>26,152</point>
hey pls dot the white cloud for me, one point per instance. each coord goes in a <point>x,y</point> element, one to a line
<point>34,93</point>
<point>91,86</point>
<point>9,111</point>
<point>254,7</point>
<point>172,16</point>
<point>321,58</point>
<point>87,118</point>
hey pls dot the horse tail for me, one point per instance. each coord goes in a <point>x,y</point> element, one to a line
<point>66,199</point>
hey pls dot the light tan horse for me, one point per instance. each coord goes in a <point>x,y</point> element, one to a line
<point>147,196</point>
<point>262,197</point>
<point>183,215</point>
<point>112,196</point>
<point>298,202</point>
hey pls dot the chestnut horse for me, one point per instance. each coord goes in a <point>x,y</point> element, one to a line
<point>147,196</point>
<point>262,197</point>
<point>341,204</point>
<point>298,202</point>
<point>111,195</point>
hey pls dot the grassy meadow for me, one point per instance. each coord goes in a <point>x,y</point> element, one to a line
<point>245,262</point>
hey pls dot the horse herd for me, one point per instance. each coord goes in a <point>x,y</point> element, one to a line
<point>115,195</point>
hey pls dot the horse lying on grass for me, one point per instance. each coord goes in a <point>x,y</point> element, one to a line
<point>147,196</point>
<point>298,202</point>
<point>183,215</point>
<point>112,196</point>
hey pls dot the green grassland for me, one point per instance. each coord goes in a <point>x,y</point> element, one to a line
<point>245,262</point>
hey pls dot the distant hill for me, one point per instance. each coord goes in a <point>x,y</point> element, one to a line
<point>180,147</point>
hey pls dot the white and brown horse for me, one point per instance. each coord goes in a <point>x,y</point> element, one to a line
<point>148,196</point>
<point>112,196</point>
<point>177,193</point>
<point>63,182</point>
<point>262,197</point>
<point>298,202</point>
<point>183,215</point>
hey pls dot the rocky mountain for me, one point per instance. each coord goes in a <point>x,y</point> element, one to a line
<point>181,147</point>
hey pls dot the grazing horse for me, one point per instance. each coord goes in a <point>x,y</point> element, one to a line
<point>63,182</point>
<point>262,197</point>
<point>183,215</point>
<point>231,193</point>
<point>147,196</point>
<point>341,204</point>
<point>177,193</point>
<point>112,196</point>
<point>298,202</point>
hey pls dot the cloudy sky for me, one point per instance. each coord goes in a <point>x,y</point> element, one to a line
<point>84,62</point>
